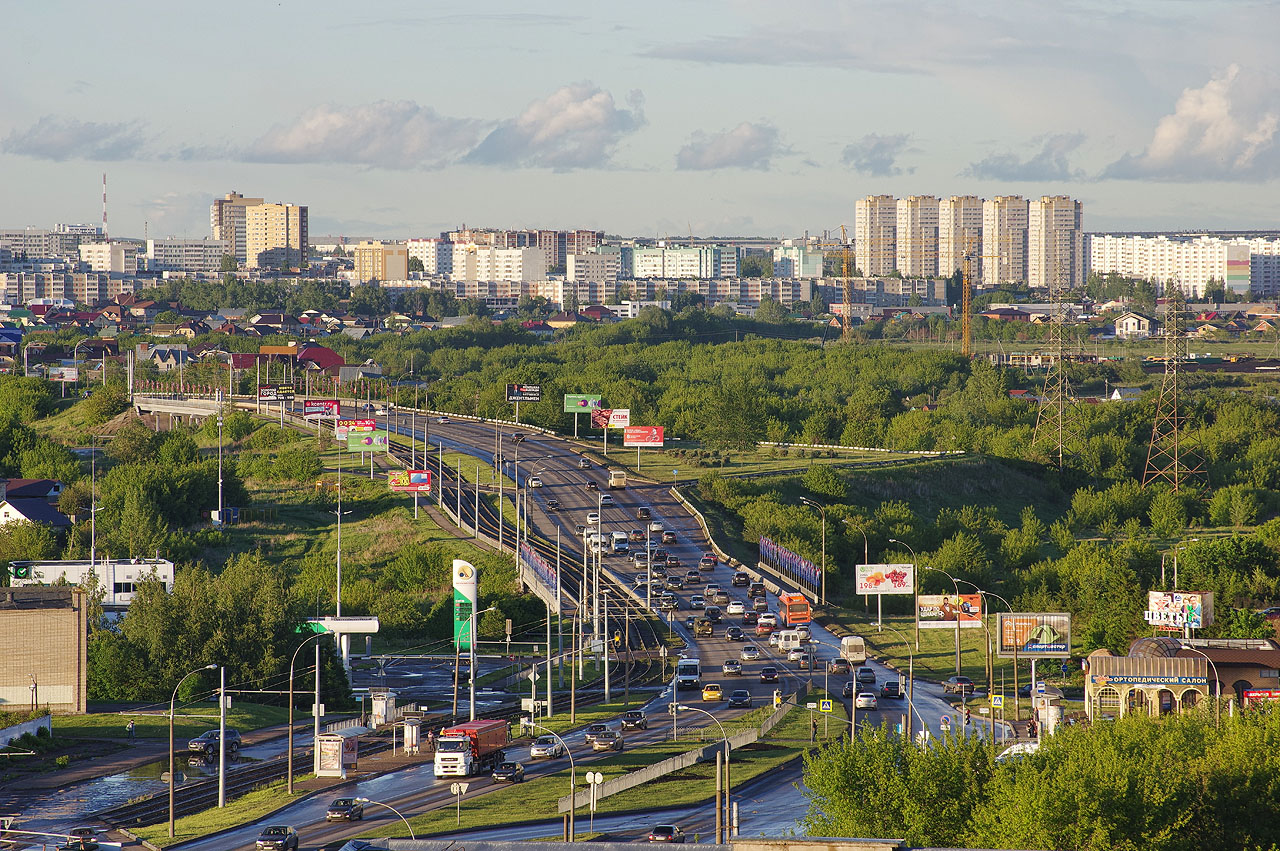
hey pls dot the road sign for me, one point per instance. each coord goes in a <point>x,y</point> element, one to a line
<point>997,701</point>
<point>826,705</point>
<point>945,722</point>
<point>459,788</point>
<point>1040,687</point>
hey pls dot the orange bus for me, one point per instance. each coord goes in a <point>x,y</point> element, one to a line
<point>793,609</point>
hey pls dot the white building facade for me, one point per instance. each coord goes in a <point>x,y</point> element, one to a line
<point>960,232</point>
<point>916,236</point>
<point>436,255</point>
<point>1055,242</point>
<point>186,255</point>
<point>796,261</point>
<point>1188,264</point>
<point>120,258</point>
<point>1004,240</point>
<point>875,227</point>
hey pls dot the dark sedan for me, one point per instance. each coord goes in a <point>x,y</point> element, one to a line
<point>740,697</point>
<point>768,674</point>
<point>277,837</point>
<point>509,772</point>
<point>666,833</point>
<point>345,809</point>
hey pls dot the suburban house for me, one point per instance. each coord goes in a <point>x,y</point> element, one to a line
<point>1133,326</point>
<point>31,500</point>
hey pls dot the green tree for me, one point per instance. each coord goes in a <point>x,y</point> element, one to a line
<point>1168,514</point>
<point>105,403</point>
<point>228,264</point>
<point>21,540</point>
<point>49,460</point>
<point>770,310</point>
<point>415,265</point>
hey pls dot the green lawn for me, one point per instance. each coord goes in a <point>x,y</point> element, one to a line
<point>248,807</point>
<point>189,720</point>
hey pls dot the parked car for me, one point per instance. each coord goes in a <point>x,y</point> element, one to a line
<point>535,481</point>
<point>866,674</point>
<point>958,685</point>
<point>666,833</point>
<point>735,633</point>
<point>740,697</point>
<point>344,809</point>
<point>277,837</point>
<point>731,668</point>
<point>634,719</point>
<point>838,666</point>
<point>508,772</point>
<point>546,747</point>
<point>866,700</point>
<point>594,731</point>
<point>610,740</point>
<point>606,499</point>
<point>768,674</point>
<point>892,688</point>
<point>668,537</point>
<point>749,653</point>
<point>207,742</point>
<point>740,579</point>
<point>712,691</point>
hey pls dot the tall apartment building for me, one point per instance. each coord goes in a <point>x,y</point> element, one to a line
<point>581,241</point>
<point>436,255</point>
<point>381,261</point>
<point>1055,242</point>
<point>1188,264</point>
<point>593,267</point>
<point>796,261</point>
<point>875,226</point>
<point>227,221</point>
<point>916,236</point>
<point>705,261</point>
<point>31,243</point>
<point>120,258</point>
<point>186,255</point>
<point>275,236</point>
<point>1004,240</point>
<point>473,262</point>
<point>960,231</point>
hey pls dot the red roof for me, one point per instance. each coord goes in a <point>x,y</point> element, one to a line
<point>321,357</point>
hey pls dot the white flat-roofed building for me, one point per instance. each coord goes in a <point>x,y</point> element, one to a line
<point>796,261</point>
<point>593,267</point>
<point>1055,242</point>
<point>118,579</point>
<point>381,261</point>
<point>119,258</point>
<point>916,241</point>
<point>436,255</point>
<point>177,254</point>
<point>1188,264</point>
<point>875,227</point>
<point>1004,240</point>
<point>708,261</point>
<point>472,262</point>
<point>960,232</point>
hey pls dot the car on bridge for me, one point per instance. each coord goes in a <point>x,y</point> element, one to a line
<point>749,653</point>
<point>697,601</point>
<point>735,633</point>
<point>740,579</point>
<point>668,537</point>
<point>674,583</point>
<point>606,499</point>
<point>669,603</point>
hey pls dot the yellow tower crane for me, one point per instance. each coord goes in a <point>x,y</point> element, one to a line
<point>846,282</point>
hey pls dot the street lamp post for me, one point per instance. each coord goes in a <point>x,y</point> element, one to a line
<point>911,683</point>
<point>823,510</point>
<point>866,559</point>
<point>919,567</point>
<point>573,781</point>
<point>722,828</point>
<point>172,702</point>
<point>472,653</point>
<point>394,810</point>
<point>916,585</point>
<point>1217,686</point>
<point>289,771</point>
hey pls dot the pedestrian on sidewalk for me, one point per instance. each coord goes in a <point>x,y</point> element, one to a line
<point>1033,729</point>
<point>129,728</point>
<point>813,730</point>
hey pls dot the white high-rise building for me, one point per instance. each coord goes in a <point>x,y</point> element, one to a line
<point>796,261</point>
<point>960,232</point>
<point>916,236</point>
<point>1055,242</point>
<point>706,261</point>
<point>1188,264</point>
<point>227,221</point>
<point>120,258</point>
<point>593,267</point>
<point>473,262</point>
<point>875,226</point>
<point>436,255</point>
<point>1004,240</point>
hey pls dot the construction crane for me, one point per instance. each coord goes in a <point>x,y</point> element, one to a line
<point>846,282</point>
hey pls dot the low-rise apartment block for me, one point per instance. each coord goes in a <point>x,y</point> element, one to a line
<point>176,254</point>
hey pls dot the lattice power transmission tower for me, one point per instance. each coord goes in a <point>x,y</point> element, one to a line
<point>1057,420</point>
<point>1168,457</point>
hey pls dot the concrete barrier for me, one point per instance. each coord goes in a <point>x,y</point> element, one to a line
<point>17,731</point>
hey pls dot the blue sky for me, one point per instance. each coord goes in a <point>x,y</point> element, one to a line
<point>728,118</point>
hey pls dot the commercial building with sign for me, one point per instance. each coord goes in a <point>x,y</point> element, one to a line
<point>1164,675</point>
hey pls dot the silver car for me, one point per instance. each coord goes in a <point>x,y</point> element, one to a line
<point>546,747</point>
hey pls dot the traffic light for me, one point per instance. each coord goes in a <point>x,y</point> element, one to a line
<point>966,716</point>
<point>777,698</point>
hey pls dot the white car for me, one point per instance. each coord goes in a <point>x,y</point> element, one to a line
<point>380,412</point>
<point>735,608</point>
<point>749,653</point>
<point>773,639</point>
<point>866,700</point>
<point>535,481</point>
<point>442,420</point>
<point>768,619</point>
<point>795,655</point>
<point>655,527</point>
<point>593,518</point>
<point>606,499</point>
<point>546,747</point>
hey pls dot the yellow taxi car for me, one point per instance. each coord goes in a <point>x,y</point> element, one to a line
<point>712,691</point>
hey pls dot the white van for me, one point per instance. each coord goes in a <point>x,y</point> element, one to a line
<point>789,639</point>
<point>620,542</point>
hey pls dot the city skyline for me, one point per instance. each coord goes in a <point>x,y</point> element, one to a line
<point>716,119</point>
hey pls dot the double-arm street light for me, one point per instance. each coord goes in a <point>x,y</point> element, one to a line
<point>722,823</point>
<point>866,559</point>
<point>394,810</point>
<point>822,509</point>
<point>919,567</point>
<point>172,703</point>
<point>573,780</point>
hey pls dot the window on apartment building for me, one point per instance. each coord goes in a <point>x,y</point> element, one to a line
<point>124,587</point>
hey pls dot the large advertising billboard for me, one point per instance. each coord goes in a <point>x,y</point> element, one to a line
<point>1033,635</point>
<point>577,403</point>
<point>641,436</point>
<point>524,392</point>
<point>275,392</point>
<point>410,481</point>
<point>68,374</point>
<point>886,578</point>
<point>343,428</point>
<point>943,611</point>
<point>320,409</point>
<point>1174,610</point>
<point>372,441</point>
<point>466,588</point>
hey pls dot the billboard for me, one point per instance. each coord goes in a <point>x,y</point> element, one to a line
<point>368,441</point>
<point>1175,610</point>
<point>524,392</point>
<point>320,409</point>
<point>943,611</point>
<point>642,436</point>
<point>886,578</point>
<point>343,428</point>
<point>64,373</point>
<point>410,481</point>
<point>576,403</point>
<point>466,588</point>
<point>1035,635</point>
<point>275,392</point>
<point>619,418</point>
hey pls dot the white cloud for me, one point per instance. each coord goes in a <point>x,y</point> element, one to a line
<point>1051,162</point>
<point>386,134</point>
<point>59,139</point>
<point>746,146</point>
<point>877,155</point>
<point>1224,130</point>
<point>576,126</point>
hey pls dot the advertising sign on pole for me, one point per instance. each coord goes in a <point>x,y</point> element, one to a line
<point>410,481</point>
<point>367,441</point>
<point>68,374</point>
<point>466,586</point>
<point>886,578</point>
<point>939,611</point>
<point>320,409</point>
<point>600,417</point>
<point>524,392</point>
<point>275,392</point>
<point>343,428</point>
<point>643,436</point>
<point>1033,635</point>
<point>619,418</point>
<point>576,403</point>
<point>1179,609</point>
